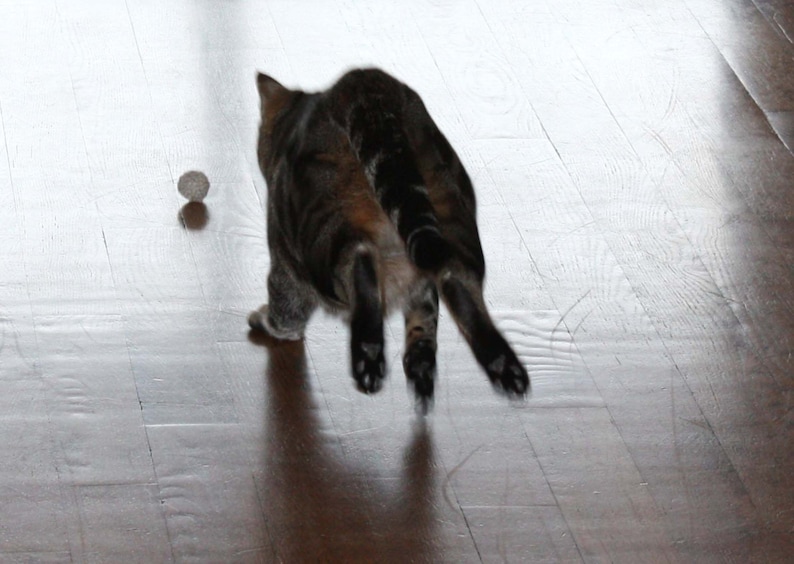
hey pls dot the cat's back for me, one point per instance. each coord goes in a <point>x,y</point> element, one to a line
<point>367,83</point>
<point>322,178</point>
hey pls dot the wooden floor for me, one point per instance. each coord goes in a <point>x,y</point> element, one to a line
<point>633,162</point>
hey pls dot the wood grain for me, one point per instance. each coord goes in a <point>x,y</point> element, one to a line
<point>633,165</point>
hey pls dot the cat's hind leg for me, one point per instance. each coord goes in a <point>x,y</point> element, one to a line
<point>366,325</point>
<point>463,296</point>
<point>421,322</point>
<point>290,304</point>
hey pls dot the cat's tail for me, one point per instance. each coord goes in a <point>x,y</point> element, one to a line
<point>373,121</point>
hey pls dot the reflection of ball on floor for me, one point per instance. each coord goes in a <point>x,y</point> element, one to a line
<point>193,185</point>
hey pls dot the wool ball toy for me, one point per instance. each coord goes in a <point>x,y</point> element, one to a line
<point>193,185</point>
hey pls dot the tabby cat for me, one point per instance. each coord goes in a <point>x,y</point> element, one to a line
<point>370,209</point>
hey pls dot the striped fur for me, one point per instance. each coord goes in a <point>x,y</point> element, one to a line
<point>369,208</point>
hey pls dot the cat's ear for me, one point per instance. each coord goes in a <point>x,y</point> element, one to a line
<point>268,87</point>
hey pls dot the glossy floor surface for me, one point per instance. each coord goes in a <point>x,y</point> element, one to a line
<point>634,170</point>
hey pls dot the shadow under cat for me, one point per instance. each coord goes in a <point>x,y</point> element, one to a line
<point>318,509</point>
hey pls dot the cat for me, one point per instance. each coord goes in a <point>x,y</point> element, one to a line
<point>370,209</point>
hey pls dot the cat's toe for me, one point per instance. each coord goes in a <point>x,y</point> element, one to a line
<point>257,320</point>
<point>508,374</point>
<point>419,364</point>
<point>515,379</point>
<point>369,366</point>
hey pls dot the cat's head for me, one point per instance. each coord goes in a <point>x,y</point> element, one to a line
<point>273,100</point>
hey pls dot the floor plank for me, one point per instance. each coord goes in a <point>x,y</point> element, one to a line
<point>633,166</point>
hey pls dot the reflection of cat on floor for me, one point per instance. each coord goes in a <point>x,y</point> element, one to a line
<point>320,507</point>
<point>369,208</point>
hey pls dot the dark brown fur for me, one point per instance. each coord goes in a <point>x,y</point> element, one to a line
<point>369,208</point>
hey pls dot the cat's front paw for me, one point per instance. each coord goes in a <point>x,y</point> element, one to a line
<point>369,366</point>
<point>508,374</point>
<point>259,320</point>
